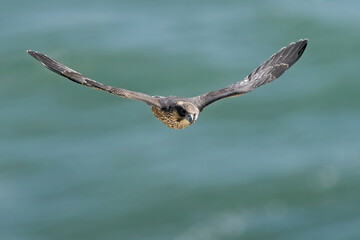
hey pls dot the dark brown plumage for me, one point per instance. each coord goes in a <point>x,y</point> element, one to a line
<point>178,112</point>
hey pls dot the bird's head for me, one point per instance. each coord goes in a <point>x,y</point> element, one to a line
<point>179,115</point>
<point>185,113</point>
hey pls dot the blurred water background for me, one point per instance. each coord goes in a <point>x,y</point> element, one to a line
<point>282,162</point>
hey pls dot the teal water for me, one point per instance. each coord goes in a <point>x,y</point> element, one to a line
<point>281,162</point>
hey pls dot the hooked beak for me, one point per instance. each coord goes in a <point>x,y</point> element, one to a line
<point>190,117</point>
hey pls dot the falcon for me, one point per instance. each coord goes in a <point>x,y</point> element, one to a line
<point>180,112</point>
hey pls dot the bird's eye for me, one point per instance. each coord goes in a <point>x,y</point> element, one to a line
<point>183,112</point>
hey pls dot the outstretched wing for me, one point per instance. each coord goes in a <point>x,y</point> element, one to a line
<point>80,79</point>
<point>268,71</point>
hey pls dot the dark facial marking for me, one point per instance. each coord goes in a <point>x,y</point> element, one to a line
<point>182,112</point>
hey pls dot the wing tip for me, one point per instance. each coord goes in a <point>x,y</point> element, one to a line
<point>303,46</point>
<point>300,46</point>
<point>38,56</point>
<point>301,40</point>
<point>31,52</point>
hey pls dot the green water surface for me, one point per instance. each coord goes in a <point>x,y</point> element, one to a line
<point>282,162</point>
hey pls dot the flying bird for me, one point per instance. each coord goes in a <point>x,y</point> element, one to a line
<point>180,112</point>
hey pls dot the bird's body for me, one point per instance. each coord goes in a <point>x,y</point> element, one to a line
<point>179,112</point>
